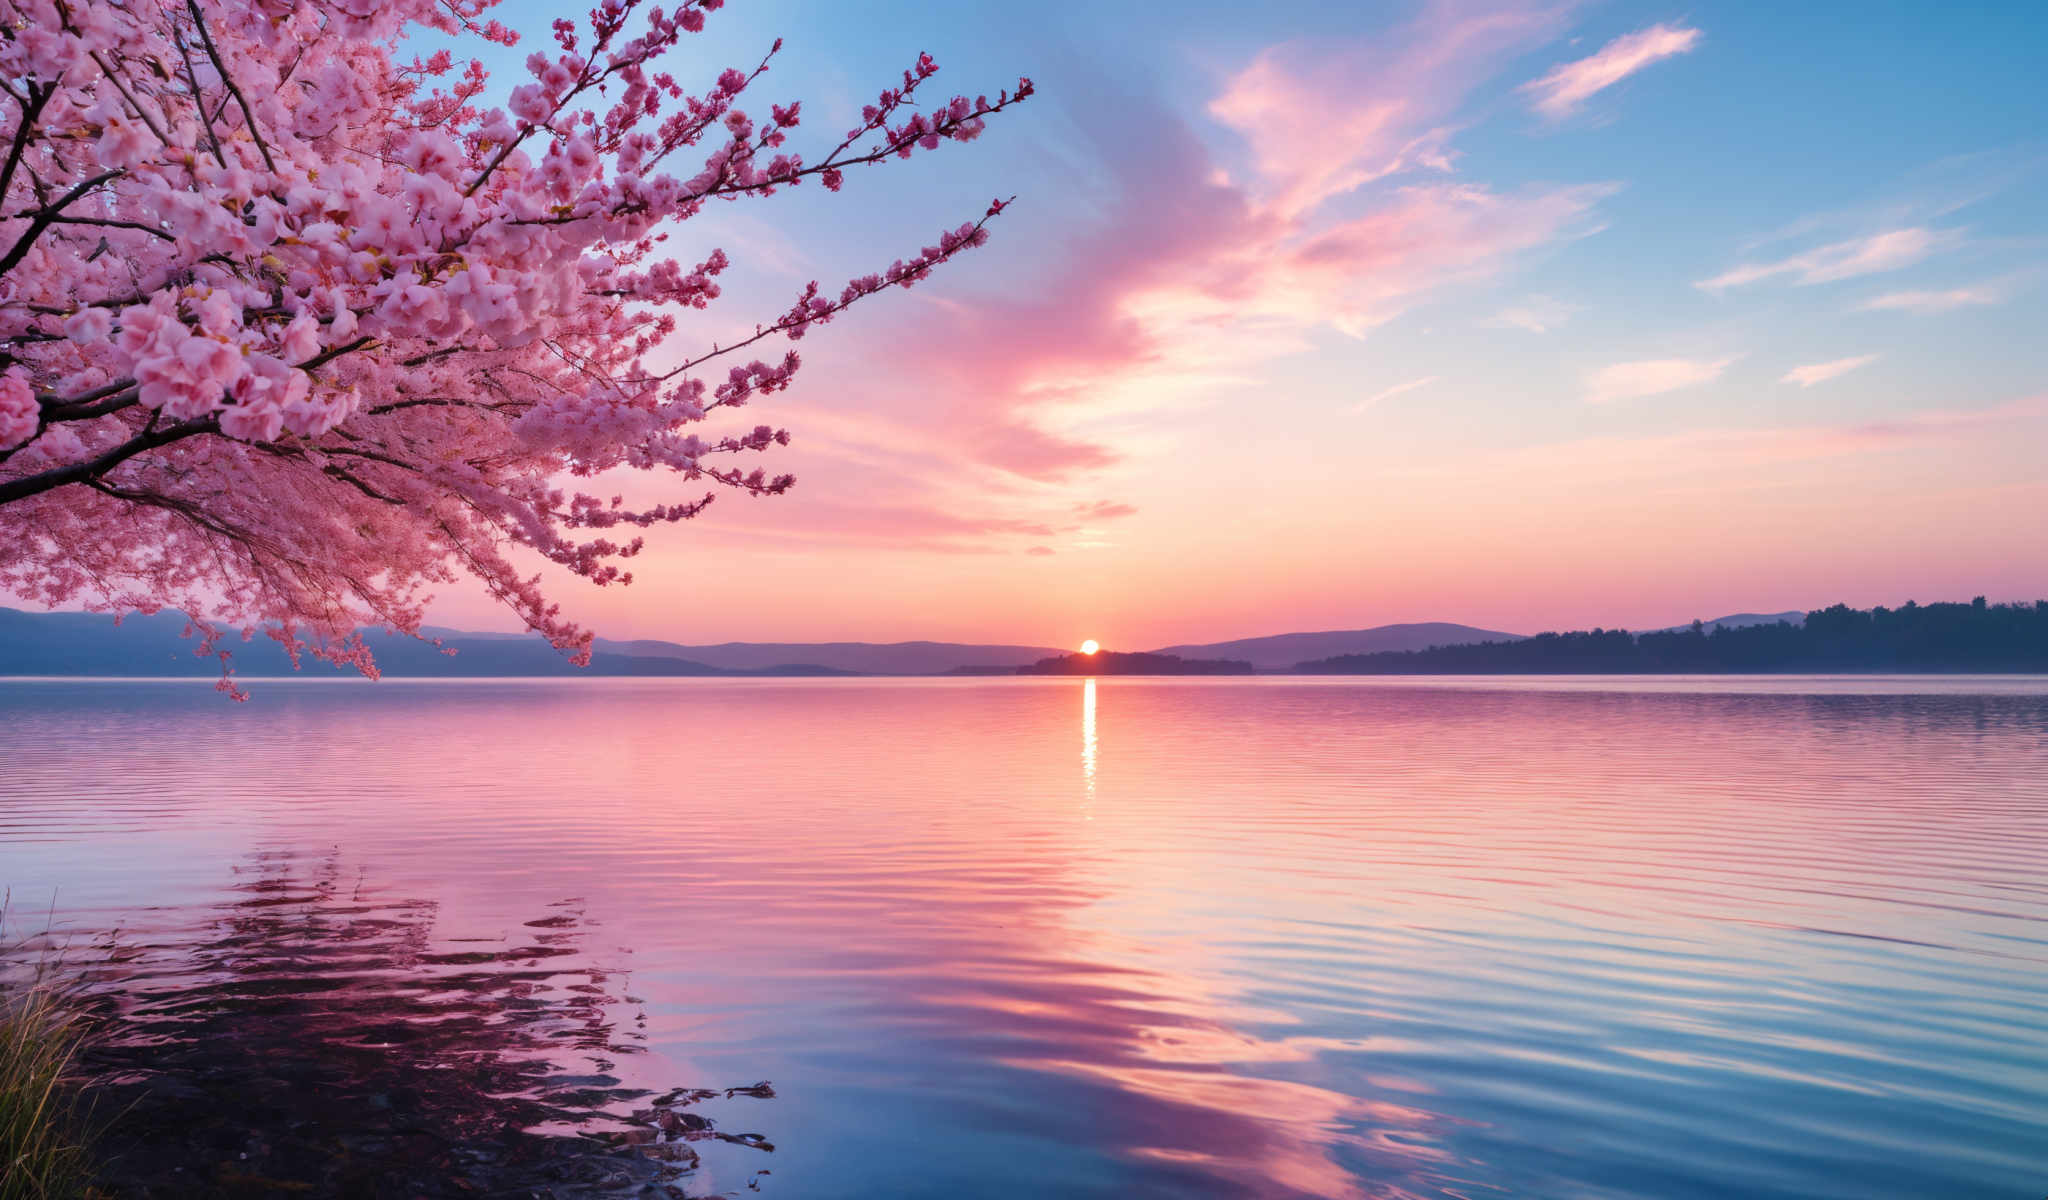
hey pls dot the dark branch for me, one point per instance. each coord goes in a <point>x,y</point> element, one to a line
<point>91,469</point>
<point>47,215</point>
<point>30,110</point>
<point>248,114</point>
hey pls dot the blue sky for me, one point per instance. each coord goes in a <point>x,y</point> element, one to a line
<point>1317,315</point>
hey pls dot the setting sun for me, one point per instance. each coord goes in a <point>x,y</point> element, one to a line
<point>1090,646</point>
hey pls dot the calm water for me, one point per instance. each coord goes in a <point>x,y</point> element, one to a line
<point>1580,938</point>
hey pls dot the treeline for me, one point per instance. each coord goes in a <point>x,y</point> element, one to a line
<point>1914,637</point>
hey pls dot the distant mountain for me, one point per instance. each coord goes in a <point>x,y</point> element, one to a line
<point>70,643</point>
<point>1282,651</point>
<point>1737,621</point>
<point>866,658</point>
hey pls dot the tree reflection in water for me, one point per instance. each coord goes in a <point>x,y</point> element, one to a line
<point>311,1037</point>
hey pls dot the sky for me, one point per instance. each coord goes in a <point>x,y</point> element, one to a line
<point>1522,314</point>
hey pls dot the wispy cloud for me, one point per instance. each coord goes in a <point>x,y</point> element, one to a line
<point>1385,394</point>
<point>1196,275</point>
<point>1714,452</point>
<point>994,422</point>
<point>1650,377</point>
<point>1364,272</point>
<point>1103,510</point>
<point>1812,373</point>
<point>1537,314</point>
<point>1381,105</point>
<point>862,487</point>
<point>1935,301</point>
<point>904,526</point>
<point>1567,86</point>
<point>1922,196</point>
<point>1871,255</point>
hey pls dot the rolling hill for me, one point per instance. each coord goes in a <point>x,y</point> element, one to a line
<point>866,658</point>
<point>1281,651</point>
<point>75,643</point>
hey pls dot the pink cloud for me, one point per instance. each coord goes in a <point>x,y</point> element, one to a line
<point>1559,93</point>
<point>1714,452</point>
<point>1537,314</point>
<point>1388,393</point>
<point>1934,301</point>
<point>1811,374</point>
<point>1925,426</point>
<point>1191,279</point>
<point>907,523</point>
<point>1366,271</point>
<point>1027,450</point>
<point>1650,377</point>
<point>988,366</point>
<point>900,513</point>
<point>1888,251</point>
<point>1323,119</point>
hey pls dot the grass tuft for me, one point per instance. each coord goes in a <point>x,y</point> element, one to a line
<point>42,1141</point>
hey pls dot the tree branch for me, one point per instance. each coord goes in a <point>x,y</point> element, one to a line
<point>112,223</point>
<point>811,318</point>
<point>91,469</point>
<point>30,110</point>
<point>198,96</point>
<point>97,403</point>
<point>247,114</point>
<point>47,215</point>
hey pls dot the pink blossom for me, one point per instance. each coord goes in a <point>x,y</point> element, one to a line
<point>59,445</point>
<point>329,346</point>
<point>260,421</point>
<point>18,408</point>
<point>314,413</point>
<point>530,104</point>
<point>218,313</point>
<point>122,144</point>
<point>88,325</point>
<point>301,339</point>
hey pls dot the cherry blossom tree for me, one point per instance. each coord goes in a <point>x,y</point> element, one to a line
<point>296,328</point>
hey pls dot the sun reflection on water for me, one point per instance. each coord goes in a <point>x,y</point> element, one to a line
<point>1088,747</point>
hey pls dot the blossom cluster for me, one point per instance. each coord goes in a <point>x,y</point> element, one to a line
<point>293,331</point>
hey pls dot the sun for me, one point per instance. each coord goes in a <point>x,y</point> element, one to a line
<point>1090,646</point>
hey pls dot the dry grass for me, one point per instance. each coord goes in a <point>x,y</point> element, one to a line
<point>42,1139</point>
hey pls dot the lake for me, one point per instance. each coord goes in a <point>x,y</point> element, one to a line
<point>1263,937</point>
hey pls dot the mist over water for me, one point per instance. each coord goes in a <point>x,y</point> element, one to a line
<point>1117,937</point>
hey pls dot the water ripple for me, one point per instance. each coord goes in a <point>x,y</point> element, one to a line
<point>1463,938</point>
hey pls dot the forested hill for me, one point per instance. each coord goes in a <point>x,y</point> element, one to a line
<point>1915,637</point>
